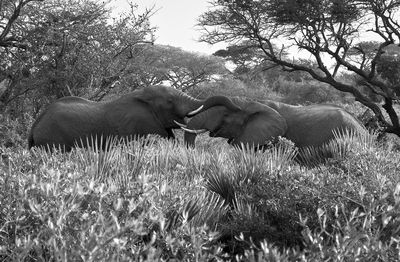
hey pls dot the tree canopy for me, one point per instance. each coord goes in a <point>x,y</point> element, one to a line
<point>55,48</point>
<point>167,64</point>
<point>332,32</point>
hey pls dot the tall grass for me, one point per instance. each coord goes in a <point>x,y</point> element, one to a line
<point>154,199</point>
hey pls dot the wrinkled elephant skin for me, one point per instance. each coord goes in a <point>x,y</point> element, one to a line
<point>70,121</point>
<point>257,124</point>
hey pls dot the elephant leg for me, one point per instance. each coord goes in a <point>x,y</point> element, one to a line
<point>170,133</point>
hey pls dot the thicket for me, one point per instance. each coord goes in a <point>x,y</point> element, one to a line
<point>156,199</point>
<point>163,201</point>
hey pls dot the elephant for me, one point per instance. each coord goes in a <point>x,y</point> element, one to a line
<point>257,124</point>
<point>69,121</point>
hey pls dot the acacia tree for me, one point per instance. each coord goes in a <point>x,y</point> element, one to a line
<point>250,64</point>
<point>179,68</point>
<point>244,56</point>
<point>328,30</point>
<point>185,69</point>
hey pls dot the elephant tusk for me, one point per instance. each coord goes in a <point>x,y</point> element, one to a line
<point>199,131</point>
<point>179,124</point>
<point>192,113</point>
<point>193,131</point>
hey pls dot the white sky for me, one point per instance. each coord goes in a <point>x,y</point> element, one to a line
<point>176,22</point>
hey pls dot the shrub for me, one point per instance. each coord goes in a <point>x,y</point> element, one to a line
<point>308,92</point>
<point>13,132</point>
<point>155,199</point>
<point>234,87</point>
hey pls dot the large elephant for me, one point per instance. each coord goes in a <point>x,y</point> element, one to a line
<point>69,121</point>
<point>256,124</point>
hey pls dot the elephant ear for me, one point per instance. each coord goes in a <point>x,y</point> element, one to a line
<point>262,127</point>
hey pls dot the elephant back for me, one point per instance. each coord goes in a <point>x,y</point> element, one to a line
<point>65,121</point>
<point>316,125</point>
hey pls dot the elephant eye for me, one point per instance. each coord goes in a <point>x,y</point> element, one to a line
<point>170,101</point>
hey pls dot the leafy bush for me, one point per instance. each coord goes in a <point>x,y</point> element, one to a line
<point>13,131</point>
<point>155,199</point>
<point>234,87</point>
<point>308,92</point>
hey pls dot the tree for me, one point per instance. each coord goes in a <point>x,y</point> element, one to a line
<point>187,69</point>
<point>181,69</point>
<point>388,67</point>
<point>55,48</point>
<point>328,30</point>
<point>244,56</point>
<point>251,65</point>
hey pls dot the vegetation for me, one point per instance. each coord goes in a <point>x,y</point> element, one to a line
<point>327,31</point>
<point>53,48</point>
<point>155,199</point>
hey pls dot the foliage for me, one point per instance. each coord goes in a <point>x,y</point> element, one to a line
<point>325,30</point>
<point>388,67</point>
<point>249,63</point>
<point>179,68</point>
<point>154,199</point>
<point>250,66</point>
<point>308,92</point>
<point>234,87</point>
<point>13,132</point>
<point>77,47</point>
<point>65,48</point>
<point>284,89</point>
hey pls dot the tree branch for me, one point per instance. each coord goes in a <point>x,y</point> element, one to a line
<point>10,42</point>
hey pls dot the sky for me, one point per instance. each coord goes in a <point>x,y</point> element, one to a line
<point>176,22</point>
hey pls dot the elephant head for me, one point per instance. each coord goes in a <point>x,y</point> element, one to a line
<point>253,123</point>
<point>167,104</point>
<point>240,121</point>
<point>150,110</point>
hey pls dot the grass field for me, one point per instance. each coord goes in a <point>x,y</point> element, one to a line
<point>155,199</point>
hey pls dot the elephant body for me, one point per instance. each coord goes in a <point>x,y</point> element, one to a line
<point>72,121</point>
<point>313,125</point>
<point>257,124</point>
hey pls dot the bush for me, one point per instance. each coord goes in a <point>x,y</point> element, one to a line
<point>13,132</point>
<point>234,87</point>
<point>308,92</point>
<point>157,200</point>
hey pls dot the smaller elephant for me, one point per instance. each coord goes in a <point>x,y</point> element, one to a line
<point>257,124</point>
<point>74,121</point>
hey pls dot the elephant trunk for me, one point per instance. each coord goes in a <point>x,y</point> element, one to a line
<point>202,113</point>
<point>195,123</point>
<point>202,121</point>
<point>188,104</point>
<point>216,101</point>
<point>190,139</point>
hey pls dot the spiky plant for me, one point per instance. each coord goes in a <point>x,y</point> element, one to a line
<point>154,199</point>
<point>339,147</point>
<point>116,161</point>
